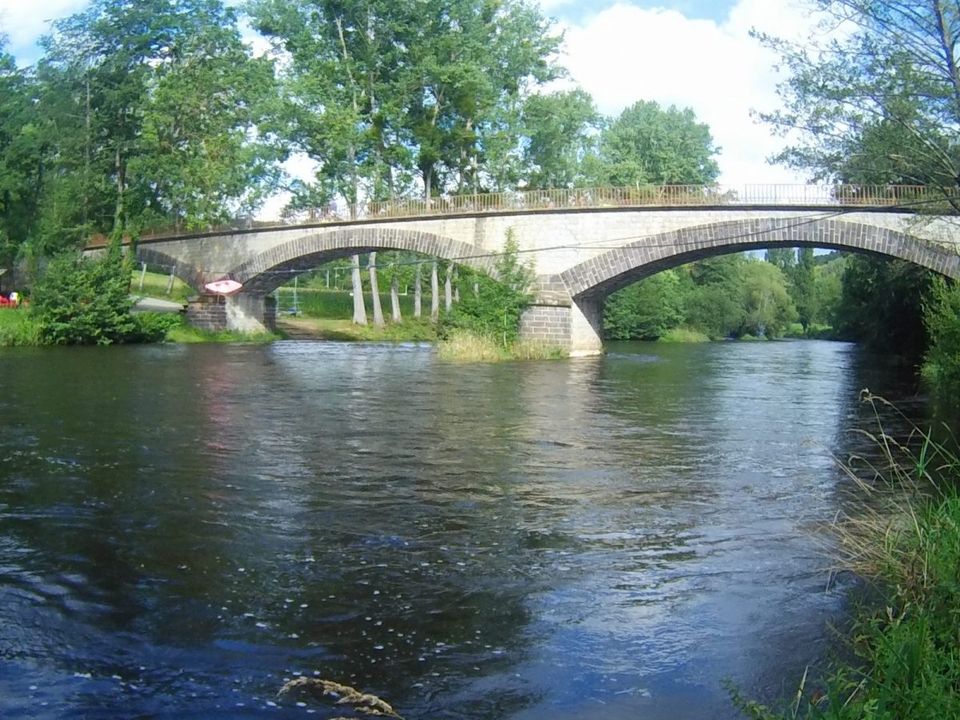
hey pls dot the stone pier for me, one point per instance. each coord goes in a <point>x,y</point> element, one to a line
<point>243,312</point>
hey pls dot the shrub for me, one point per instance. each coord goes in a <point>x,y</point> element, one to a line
<point>941,314</point>
<point>494,310</point>
<point>152,326</point>
<point>85,301</point>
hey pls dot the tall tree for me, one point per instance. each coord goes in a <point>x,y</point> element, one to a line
<point>359,309</point>
<point>382,91</point>
<point>21,154</point>
<point>803,287</point>
<point>417,292</point>
<point>153,107</point>
<point>783,258</point>
<point>375,290</point>
<point>878,101</point>
<point>342,62</point>
<point>472,63</point>
<point>434,293</point>
<point>649,145</point>
<point>560,130</point>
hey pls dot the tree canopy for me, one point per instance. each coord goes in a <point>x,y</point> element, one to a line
<point>876,99</point>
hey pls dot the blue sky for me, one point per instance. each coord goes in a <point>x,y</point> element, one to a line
<point>578,10</point>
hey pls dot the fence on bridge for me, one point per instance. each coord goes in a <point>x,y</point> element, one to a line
<point>909,198</point>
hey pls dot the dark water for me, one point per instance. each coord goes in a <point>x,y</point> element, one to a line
<point>182,529</point>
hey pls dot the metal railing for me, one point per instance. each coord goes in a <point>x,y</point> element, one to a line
<point>906,197</point>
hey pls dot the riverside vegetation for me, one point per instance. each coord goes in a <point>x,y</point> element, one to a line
<point>109,134</point>
<point>903,536</point>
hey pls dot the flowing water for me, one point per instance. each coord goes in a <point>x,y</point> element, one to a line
<point>184,528</point>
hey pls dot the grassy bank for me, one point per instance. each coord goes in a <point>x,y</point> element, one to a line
<point>344,329</point>
<point>683,335</point>
<point>338,304</point>
<point>155,285</point>
<point>904,538</point>
<point>20,328</point>
<point>464,346</point>
<point>188,334</point>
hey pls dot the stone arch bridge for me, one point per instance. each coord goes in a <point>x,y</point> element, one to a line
<point>580,255</point>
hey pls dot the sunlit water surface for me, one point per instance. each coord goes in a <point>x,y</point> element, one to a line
<point>182,529</point>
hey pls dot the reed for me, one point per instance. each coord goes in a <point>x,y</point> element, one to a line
<point>900,532</point>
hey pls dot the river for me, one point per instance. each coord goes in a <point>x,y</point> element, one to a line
<point>184,528</point>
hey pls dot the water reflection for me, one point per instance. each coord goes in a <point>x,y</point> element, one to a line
<point>184,528</point>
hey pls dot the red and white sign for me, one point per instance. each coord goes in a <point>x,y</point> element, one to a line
<point>223,287</point>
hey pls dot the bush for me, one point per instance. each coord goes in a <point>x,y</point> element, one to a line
<point>153,327</point>
<point>494,310</point>
<point>17,327</point>
<point>85,301</point>
<point>941,314</point>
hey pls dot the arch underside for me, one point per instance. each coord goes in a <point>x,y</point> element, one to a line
<point>182,270</point>
<point>277,266</point>
<point>615,269</point>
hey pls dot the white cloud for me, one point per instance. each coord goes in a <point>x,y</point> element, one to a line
<point>625,53</point>
<point>24,21</point>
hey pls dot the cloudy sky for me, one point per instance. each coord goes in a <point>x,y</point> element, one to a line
<point>691,53</point>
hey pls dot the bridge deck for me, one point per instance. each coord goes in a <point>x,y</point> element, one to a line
<point>901,198</point>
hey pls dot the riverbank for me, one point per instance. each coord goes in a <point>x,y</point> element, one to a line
<point>905,542</point>
<point>18,328</point>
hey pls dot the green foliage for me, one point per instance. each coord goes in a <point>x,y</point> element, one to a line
<point>904,533</point>
<point>767,307</point>
<point>803,287</point>
<point>20,151</point>
<point>645,310</point>
<point>150,327</point>
<point>83,301</point>
<point>436,91</point>
<point>882,305</point>
<point>494,311</point>
<point>560,129</point>
<point>941,316</point>
<point>876,104</point>
<point>18,327</point>
<point>726,296</point>
<point>647,145</point>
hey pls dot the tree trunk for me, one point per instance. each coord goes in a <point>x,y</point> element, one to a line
<point>448,289</point>
<point>417,294</point>
<point>434,294</point>
<point>395,300</point>
<point>456,285</point>
<point>359,309</point>
<point>375,291</point>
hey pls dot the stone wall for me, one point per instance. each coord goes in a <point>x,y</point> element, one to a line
<point>207,312</point>
<point>549,324</point>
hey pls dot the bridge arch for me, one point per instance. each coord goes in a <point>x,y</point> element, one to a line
<point>185,271</point>
<point>605,273</point>
<point>274,267</point>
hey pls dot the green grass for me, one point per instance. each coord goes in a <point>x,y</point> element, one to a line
<point>465,346</point>
<point>338,304</point>
<point>345,330</point>
<point>17,327</point>
<point>155,285</point>
<point>904,537</point>
<point>684,335</point>
<point>187,334</point>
